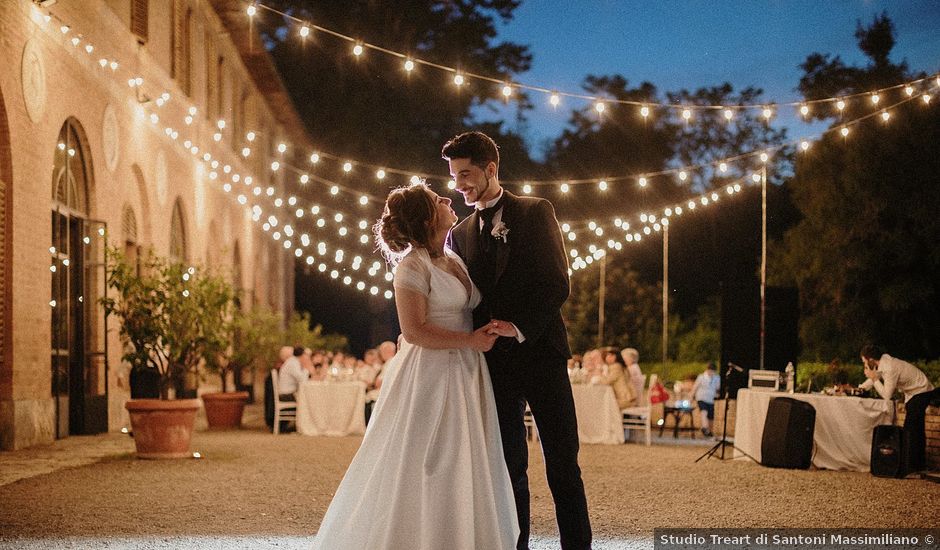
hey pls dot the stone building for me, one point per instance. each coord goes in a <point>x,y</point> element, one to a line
<point>122,122</point>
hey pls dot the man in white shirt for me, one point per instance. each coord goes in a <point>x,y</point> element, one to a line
<point>887,374</point>
<point>291,376</point>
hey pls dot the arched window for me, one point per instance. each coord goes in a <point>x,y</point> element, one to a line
<point>178,248</point>
<point>79,366</point>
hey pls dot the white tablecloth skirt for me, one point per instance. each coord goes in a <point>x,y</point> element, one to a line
<point>599,417</point>
<point>331,408</point>
<point>842,436</point>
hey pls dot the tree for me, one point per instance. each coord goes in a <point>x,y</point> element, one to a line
<point>368,107</point>
<point>865,254</point>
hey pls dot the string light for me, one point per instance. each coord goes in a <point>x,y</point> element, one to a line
<point>252,10</point>
<point>304,31</point>
<point>458,79</point>
<point>409,65</point>
<point>644,111</point>
<point>357,50</point>
<point>602,185</point>
<point>554,100</point>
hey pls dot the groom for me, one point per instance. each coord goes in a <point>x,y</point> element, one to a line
<point>513,249</point>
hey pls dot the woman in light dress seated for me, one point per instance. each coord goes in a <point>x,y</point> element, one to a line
<point>613,373</point>
<point>430,472</point>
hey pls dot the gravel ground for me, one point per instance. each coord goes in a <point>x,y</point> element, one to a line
<point>254,490</point>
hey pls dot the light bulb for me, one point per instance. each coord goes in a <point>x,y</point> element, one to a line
<point>347,167</point>
<point>252,11</point>
<point>507,90</point>
<point>723,166</point>
<point>642,182</point>
<point>767,113</point>
<point>458,79</point>
<point>565,188</point>
<point>644,111</point>
<point>357,50</point>
<point>380,174</point>
<point>683,175</point>
<point>729,114</point>
<point>885,116</point>
<point>281,147</point>
<point>602,185</point>
<point>600,107</point>
<point>554,99</point>
<point>314,158</point>
<point>409,65</point>
<point>304,31</point>
<point>909,90</point>
<point>844,132</point>
<point>875,98</point>
<point>250,136</point>
<point>840,105</point>
<point>804,145</point>
<point>686,114</point>
<point>527,189</point>
<point>804,110</point>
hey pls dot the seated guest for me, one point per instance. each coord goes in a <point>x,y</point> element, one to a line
<point>614,375</point>
<point>291,376</point>
<point>306,361</point>
<point>704,391</point>
<point>631,358</point>
<point>887,374</point>
<point>592,363</point>
<point>384,354</point>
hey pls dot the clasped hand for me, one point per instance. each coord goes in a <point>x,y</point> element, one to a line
<point>484,337</point>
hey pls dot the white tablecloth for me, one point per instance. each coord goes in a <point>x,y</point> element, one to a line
<point>842,435</point>
<point>331,408</point>
<point>599,417</point>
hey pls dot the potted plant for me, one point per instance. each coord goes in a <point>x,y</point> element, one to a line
<point>168,312</point>
<point>244,340</point>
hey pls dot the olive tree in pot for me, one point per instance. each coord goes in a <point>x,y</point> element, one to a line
<point>168,311</point>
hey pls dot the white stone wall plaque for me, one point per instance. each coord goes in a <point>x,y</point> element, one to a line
<point>159,176</point>
<point>34,80</point>
<point>109,138</point>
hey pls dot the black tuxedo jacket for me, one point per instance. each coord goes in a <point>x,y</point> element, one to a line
<point>527,282</point>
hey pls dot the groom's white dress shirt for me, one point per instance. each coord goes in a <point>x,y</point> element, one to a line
<point>497,217</point>
<point>900,375</point>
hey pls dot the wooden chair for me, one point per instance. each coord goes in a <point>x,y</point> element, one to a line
<point>638,418</point>
<point>283,410</point>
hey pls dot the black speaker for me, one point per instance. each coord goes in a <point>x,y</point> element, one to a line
<point>740,330</point>
<point>887,454</point>
<point>788,434</point>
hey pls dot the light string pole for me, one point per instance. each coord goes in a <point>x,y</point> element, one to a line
<point>665,295</point>
<point>763,264</point>
<point>601,301</point>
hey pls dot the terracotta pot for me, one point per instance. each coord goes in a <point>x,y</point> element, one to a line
<point>224,410</point>
<point>162,428</point>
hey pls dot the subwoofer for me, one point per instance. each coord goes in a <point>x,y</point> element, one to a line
<point>788,434</point>
<point>887,451</point>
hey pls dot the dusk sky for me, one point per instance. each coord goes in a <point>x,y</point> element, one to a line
<point>690,44</point>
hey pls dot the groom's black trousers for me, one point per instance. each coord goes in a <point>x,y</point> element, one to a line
<point>540,377</point>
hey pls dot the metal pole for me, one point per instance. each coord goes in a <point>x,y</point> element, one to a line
<point>602,292</point>
<point>763,265</point>
<point>665,294</point>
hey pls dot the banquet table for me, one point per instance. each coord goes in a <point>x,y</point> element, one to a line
<point>599,417</point>
<point>331,408</point>
<point>842,434</point>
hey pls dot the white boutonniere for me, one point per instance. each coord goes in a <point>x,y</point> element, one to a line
<point>500,231</point>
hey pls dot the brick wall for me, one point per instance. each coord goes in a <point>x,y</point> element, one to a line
<point>77,87</point>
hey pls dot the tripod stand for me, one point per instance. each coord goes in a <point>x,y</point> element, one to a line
<point>714,451</point>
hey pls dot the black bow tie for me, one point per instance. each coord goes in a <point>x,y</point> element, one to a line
<point>487,214</point>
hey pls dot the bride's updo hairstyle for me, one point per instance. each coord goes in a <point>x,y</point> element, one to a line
<point>406,221</point>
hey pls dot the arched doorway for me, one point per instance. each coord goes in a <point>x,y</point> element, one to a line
<point>79,358</point>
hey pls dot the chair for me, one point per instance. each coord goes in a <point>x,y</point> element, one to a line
<point>283,410</point>
<point>638,418</point>
<point>531,430</point>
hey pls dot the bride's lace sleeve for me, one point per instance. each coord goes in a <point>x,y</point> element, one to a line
<point>414,274</point>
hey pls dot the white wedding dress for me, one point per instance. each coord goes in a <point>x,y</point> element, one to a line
<point>430,472</point>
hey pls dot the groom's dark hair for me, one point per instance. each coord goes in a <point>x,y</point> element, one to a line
<point>476,146</point>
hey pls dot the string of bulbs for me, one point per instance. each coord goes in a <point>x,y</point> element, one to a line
<point>509,89</point>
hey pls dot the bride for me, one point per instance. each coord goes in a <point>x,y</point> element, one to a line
<point>430,472</point>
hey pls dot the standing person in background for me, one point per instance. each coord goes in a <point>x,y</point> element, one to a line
<point>886,374</point>
<point>704,391</point>
<point>614,375</point>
